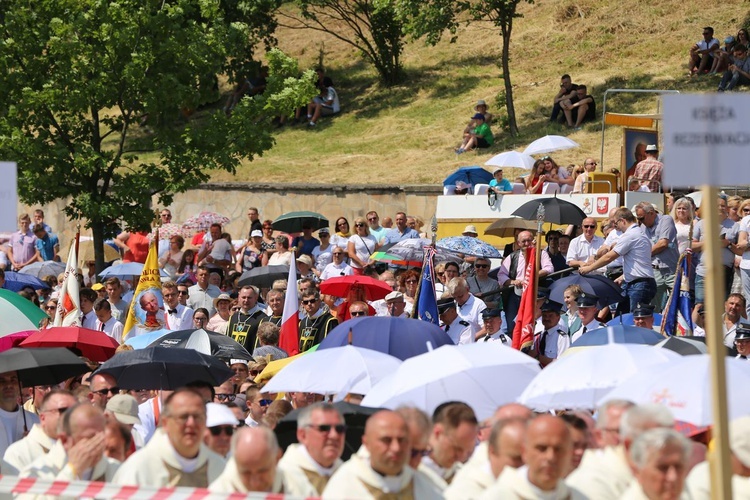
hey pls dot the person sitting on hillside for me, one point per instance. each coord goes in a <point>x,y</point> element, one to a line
<point>738,72</point>
<point>480,107</point>
<point>480,137</point>
<point>723,56</point>
<point>250,86</point>
<point>582,109</point>
<point>325,104</point>
<point>567,91</point>
<point>700,53</point>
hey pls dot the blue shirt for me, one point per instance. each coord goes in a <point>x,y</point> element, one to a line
<point>46,246</point>
<point>503,185</point>
<point>307,245</point>
<point>394,235</point>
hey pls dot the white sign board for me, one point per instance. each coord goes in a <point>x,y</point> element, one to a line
<point>8,197</point>
<point>706,139</point>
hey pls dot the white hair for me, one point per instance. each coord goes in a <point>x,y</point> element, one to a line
<point>305,415</point>
<point>656,440</point>
<point>641,418</point>
<point>602,412</point>
<point>456,283</point>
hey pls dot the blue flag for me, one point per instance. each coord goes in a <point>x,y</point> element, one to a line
<point>427,303</point>
<point>677,318</point>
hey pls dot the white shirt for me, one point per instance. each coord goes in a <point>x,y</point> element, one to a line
<point>582,249</point>
<point>635,249</point>
<point>90,320</point>
<point>112,327</point>
<point>611,239</point>
<point>181,320</point>
<point>459,331</point>
<point>471,312</point>
<point>364,247</point>
<point>332,270</point>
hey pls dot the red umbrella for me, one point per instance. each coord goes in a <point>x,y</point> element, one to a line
<point>340,286</point>
<point>94,345</point>
<point>12,340</point>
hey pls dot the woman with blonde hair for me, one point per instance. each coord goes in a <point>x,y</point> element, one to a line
<point>361,246</point>
<point>683,215</point>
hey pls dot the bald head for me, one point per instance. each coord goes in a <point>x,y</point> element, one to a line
<point>256,452</point>
<point>506,444</point>
<point>387,439</point>
<point>547,451</point>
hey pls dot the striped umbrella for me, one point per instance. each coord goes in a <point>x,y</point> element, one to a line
<point>18,313</point>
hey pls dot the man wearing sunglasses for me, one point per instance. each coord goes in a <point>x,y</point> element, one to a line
<point>103,386</point>
<point>310,464</point>
<point>317,321</point>
<point>40,438</point>
<point>220,426</point>
<point>583,248</point>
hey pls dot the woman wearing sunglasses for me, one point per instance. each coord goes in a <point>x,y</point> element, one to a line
<point>361,246</point>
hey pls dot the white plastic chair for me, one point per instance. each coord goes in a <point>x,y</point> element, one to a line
<point>550,188</point>
<point>519,188</point>
<point>481,188</point>
<point>449,189</point>
<point>566,188</point>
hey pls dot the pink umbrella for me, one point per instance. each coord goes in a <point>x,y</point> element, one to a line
<point>168,230</point>
<point>12,340</point>
<point>203,221</point>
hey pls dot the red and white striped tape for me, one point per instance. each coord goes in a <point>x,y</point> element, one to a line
<point>92,489</point>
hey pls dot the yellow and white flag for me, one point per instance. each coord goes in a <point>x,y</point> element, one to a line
<point>68,303</point>
<point>146,312</point>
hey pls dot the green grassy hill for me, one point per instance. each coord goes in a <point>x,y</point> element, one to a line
<point>407,134</point>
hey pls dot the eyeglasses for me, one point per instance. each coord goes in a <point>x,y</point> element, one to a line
<point>372,219</point>
<point>235,309</point>
<point>50,308</point>
<point>309,301</point>
<point>265,402</point>
<point>591,163</point>
<point>358,313</point>
<point>103,392</point>
<point>60,411</point>
<point>182,292</point>
<point>216,431</point>
<point>410,282</point>
<point>182,419</point>
<point>746,209</point>
<point>416,452</point>
<point>326,428</point>
<point>342,223</point>
<point>441,274</point>
<point>640,219</point>
<point>481,266</point>
<point>359,224</point>
<point>589,226</point>
<point>225,397</point>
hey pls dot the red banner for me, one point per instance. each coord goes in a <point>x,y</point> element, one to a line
<point>523,333</point>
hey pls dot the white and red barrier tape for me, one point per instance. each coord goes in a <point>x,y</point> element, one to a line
<point>91,489</point>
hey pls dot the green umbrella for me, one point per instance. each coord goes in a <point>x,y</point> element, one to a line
<point>292,222</point>
<point>18,313</point>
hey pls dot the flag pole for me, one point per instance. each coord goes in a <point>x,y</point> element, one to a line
<point>539,223</point>
<point>721,468</point>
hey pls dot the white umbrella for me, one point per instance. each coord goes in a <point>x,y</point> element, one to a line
<point>126,270</point>
<point>550,143</point>
<point>338,371</point>
<point>512,159</point>
<point>684,386</point>
<point>580,380</point>
<point>483,375</point>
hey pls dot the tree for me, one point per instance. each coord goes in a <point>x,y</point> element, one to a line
<point>79,78</point>
<point>370,26</point>
<point>430,18</point>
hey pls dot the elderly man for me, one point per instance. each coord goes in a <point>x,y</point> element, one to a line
<point>458,329</point>
<point>659,458</point>
<point>553,337</point>
<point>310,464</point>
<point>79,452</point>
<point>699,481</point>
<point>243,324</point>
<point>662,232</point>
<point>492,329</point>
<point>175,455</point>
<point>504,450</point>
<point>253,466</point>
<point>607,430</point>
<point>396,305</point>
<point>469,307</point>
<point>103,386</point>
<point>215,252</point>
<point>401,232</point>
<point>481,283</point>
<point>609,475</point>
<point>42,437</point>
<point>317,321</point>
<point>511,274</point>
<point>420,429</point>
<point>177,316</point>
<point>643,317</point>
<point>454,431</point>
<point>381,470</point>
<point>583,248</point>
<point>635,249</point>
<point>546,452</point>
<point>220,425</point>
<point>203,293</point>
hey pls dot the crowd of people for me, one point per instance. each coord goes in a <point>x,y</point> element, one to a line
<point>708,57</point>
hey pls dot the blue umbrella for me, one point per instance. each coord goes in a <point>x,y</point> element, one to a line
<point>471,175</point>
<point>468,245</point>
<point>607,290</point>
<point>619,334</point>
<point>143,341</point>
<point>126,270</point>
<point>15,282</point>
<point>399,337</point>
<point>45,268</point>
<point>627,319</point>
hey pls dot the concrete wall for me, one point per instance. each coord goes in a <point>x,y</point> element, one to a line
<point>233,199</point>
